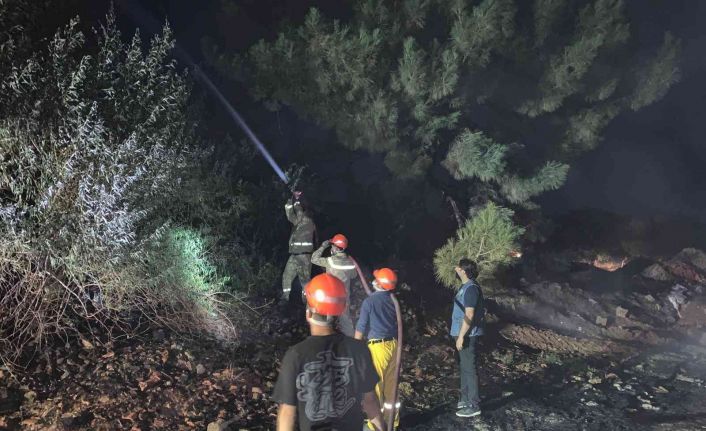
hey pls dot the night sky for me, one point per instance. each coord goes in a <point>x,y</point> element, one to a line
<point>652,162</point>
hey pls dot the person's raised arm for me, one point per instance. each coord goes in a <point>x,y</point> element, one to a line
<point>289,211</point>
<point>286,416</point>
<point>316,258</point>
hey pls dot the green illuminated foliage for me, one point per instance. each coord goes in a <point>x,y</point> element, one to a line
<point>100,157</point>
<point>180,259</point>
<point>488,238</point>
<point>474,155</point>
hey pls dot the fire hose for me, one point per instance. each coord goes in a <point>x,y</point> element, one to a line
<point>398,353</point>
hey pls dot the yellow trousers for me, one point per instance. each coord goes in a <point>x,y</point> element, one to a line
<point>384,354</point>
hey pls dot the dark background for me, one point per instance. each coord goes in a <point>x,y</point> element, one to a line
<point>652,162</point>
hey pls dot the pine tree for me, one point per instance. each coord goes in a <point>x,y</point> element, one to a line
<point>386,83</point>
<point>472,85</point>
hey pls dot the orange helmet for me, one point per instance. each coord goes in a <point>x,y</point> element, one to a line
<point>385,278</point>
<point>326,295</point>
<point>340,241</point>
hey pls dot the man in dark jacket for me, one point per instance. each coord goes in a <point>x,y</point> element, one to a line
<point>301,244</point>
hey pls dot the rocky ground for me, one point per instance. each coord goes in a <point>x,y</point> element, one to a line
<point>596,349</point>
<point>577,348</point>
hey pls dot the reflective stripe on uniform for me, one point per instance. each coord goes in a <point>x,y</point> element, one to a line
<point>337,266</point>
<point>288,206</point>
<point>302,243</point>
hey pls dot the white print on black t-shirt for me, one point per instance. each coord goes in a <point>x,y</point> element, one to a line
<point>322,386</point>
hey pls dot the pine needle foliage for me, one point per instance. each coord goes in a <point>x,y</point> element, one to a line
<point>656,77</point>
<point>487,238</point>
<point>550,177</point>
<point>479,87</point>
<point>405,79</point>
<point>474,155</point>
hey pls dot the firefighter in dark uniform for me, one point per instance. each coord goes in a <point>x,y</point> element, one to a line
<point>301,244</point>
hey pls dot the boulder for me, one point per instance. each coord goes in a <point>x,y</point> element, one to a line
<point>621,312</point>
<point>693,257</point>
<point>656,272</point>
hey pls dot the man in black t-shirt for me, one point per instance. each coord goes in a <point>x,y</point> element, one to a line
<point>328,380</point>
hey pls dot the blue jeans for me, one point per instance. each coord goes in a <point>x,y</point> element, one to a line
<point>466,359</point>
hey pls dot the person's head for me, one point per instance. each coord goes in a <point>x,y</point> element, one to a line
<point>466,269</point>
<point>339,243</point>
<point>325,299</point>
<point>385,279</point>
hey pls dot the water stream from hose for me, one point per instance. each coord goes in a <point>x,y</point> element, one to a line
<point>144,18</point>
<point>239,120</point>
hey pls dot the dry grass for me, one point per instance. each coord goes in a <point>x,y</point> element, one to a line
<point>41,302</point>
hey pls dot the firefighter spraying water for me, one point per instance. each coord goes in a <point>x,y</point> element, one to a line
<point>386,344</point>
<point>301,244</point>
<point>327,300</point>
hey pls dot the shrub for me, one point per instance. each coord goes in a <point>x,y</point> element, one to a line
<point>488,238</point>
<point>88,140</point>
<point>92,146</point>
<point>179,257</point>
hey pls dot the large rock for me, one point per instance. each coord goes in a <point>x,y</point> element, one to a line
<point>693,257</point>
<point>657,272</point>
<point>688,265</point>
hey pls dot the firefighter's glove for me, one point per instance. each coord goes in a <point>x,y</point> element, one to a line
<point>326,243</point>
<point>297,194</point>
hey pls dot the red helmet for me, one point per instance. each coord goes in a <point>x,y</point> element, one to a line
<point>340,241</point>
<point>326,295</point>
<point>386,278</point>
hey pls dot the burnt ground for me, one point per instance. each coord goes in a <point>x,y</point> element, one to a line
<point>544,365</point>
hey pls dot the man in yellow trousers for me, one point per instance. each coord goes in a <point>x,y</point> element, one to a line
<point>378,323</point>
